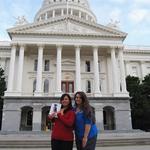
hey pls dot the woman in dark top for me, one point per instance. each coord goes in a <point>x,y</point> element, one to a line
<point>85,128</point>
<point>62,132</point>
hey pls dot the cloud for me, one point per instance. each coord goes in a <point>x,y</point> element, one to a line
<point>118,1</point>
<point>138,15</point>
<point>115,14</point>
<point>141,1</point>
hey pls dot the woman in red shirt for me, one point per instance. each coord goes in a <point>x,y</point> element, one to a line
<point>62,131</point>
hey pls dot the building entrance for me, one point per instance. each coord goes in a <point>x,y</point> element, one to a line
<point>109,118</point>
<point>67,86</point>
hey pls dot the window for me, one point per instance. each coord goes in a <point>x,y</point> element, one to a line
<point>99,66</point>
<point>35,64</point>
<point>148,70</point>
<point>29,118</point>
<point>88,66</point>
<point>46,65</point>
<point>88,86</point>
<point>134,71</point>
<point>34,85</point>
<point>46,86</point>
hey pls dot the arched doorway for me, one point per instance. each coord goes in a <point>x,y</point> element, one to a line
<point>1,112</point>
<point>109,118</point>
<point>45,123</point>
<point>26,118</point>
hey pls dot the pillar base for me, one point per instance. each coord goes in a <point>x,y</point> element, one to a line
<point>14,93</point>
<point>121,94</point>
<point>58,93</point>
<point>36,93</point>
<point>97,94</point>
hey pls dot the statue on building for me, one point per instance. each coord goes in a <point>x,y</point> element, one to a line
<point>114,24</point>
<point>21,20</point>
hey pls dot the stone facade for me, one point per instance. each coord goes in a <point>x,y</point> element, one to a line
<point>66,50</point>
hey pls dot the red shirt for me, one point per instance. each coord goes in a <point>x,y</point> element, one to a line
<point>63,126</point>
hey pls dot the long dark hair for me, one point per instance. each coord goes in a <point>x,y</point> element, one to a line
<point>70,102</point>
<point>87,109</point>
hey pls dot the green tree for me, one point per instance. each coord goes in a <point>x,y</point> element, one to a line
<point>145,91</point>
<point>140,103</point>
<point>2,89</point>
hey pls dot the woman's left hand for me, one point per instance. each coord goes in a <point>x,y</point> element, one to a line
<point>61,111</point>
<point>84,141</point>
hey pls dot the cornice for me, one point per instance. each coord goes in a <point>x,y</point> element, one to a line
<point>137,49</point>
<point>67,34</point>
<point>54,20</point>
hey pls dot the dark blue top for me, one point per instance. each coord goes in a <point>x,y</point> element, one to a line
<point>81,121</point>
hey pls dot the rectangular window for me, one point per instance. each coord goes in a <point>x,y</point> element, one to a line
<point>148,70</point>
<point>46,65</point>
<point>134,71</point>
<point>99,66</point>
<point>35,64</point>
<point>88,87</point>
<point>88,66</point>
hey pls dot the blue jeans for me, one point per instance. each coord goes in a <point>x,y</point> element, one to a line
<point>90,145</point>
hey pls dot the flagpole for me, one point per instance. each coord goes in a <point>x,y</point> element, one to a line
<point>67,7</point>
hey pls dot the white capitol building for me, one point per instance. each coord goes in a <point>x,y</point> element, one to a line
<point>66,50</point>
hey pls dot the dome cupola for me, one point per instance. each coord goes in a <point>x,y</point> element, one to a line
<point>57,8</point>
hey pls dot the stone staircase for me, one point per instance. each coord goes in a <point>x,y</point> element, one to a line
<point>42,140</point>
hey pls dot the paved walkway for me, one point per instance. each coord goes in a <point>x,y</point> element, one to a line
<point>100,148</point>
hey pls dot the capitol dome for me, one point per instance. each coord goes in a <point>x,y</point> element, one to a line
<point>58,8</point>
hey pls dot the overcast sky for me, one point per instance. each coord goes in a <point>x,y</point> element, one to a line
<point>133,15</point>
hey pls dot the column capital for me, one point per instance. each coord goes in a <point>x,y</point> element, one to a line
<point>113,47</point>
<point>77,46</point>
<point>22,45</point>
<point>142,62</point>
<point>13,44</point>
<point>95,47</point>
<point>59,46</point>
<point>40,45</point>
<point>120,47</point>
<point>127,61</point>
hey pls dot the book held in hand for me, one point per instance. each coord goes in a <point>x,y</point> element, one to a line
<point>55,107</point>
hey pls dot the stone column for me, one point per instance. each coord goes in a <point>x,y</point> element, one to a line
<point>80,14</point>
<point>97,92</point>
<point>46,16</point>
<point>20,69</point>
<point>38,91</point>
<point>58,71</point>
<point>99,119</point>
<point>62,12</point>
<point>143,72</point>
<point>2,64</point>
<point>123,118</point>
<point>78,69</point>
<point>114,72</point>
<point>53,14</point>
<point>127,66</point>
<point>37,117</point>
<point>122,71</point>
<point>87,17</point>
<point>11,117</point>
<point>71,13</point>
<point>11,70</point>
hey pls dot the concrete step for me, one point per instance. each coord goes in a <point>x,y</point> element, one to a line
<point>42,140</point>
<point>46,143</point>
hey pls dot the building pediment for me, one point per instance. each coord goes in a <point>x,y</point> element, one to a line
<point>67,26</point>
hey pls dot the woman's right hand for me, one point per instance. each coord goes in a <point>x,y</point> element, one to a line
<point>51,116</point>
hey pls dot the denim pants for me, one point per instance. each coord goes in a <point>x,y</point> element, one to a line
<point>91,144</point>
